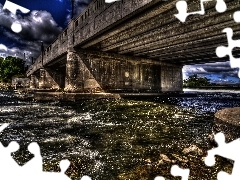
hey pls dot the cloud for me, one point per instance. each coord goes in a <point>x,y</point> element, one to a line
<point>3,47</point>
<point>79,6</point>
<point>36,26</point>
<point>216,72</point>
<point>19,52</point>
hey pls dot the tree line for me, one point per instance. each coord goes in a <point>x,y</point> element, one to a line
<point>196,81</point>
<point>11,67</point>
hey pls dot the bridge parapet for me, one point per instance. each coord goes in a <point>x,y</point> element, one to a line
<point>100,15</point>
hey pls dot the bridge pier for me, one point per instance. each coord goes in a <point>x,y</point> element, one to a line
<point>47,79</point>
<point>94,71</point>
<point>42,79</point>
<point>88,71</point>
<point>78,77</point>
<point>171,78</point>
<point>33,82</point>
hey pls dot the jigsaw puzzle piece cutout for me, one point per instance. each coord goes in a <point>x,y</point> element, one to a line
<point>182,9</point>
<point>236,16</point>
<point>159,178</point>
<point>227,150</point>
<point>86,178</point>
<point>111,1</point>
<point>221,6</point>
<point>222,51</point>
<point>12,7</point>
<point>11,166</point>
<point>35,164</point>
<point>64,164</point>
<point>177,171</point>
<point>223,176</point>
<point>3,126</point>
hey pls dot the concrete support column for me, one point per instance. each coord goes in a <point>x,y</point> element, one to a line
<point>73,80</point>
<point>48,80</point>
<point>33,82</point>
<point>171,78</point>
<point>42,80</point>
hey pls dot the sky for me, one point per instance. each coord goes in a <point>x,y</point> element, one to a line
<point>48,18</point>
<point>43,23</point>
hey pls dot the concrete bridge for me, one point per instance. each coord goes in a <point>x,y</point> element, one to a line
<point>132,45</point>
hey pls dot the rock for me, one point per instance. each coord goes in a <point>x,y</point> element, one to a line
<point>193,149</point>
<point>181,159</point>
<point>227,121</point>
<point>148,161</point>
<point>164,158</point>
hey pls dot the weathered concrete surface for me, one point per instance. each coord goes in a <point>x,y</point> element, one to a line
<point>111,72</point>
<point>47,80</point>
<point>228,122</point>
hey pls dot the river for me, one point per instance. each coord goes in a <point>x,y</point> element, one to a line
<point>118,139</point>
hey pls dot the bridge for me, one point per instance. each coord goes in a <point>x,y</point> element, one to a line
<point>132,45</point>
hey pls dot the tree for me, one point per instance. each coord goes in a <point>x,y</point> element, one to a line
<point>195,81</point>
<point>11,66</point>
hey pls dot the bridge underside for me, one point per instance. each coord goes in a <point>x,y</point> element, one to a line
<point>91,71</point>
<point>138,51</point>
<point>157,34</point>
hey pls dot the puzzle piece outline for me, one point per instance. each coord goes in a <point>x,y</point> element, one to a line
<point>32,168</point>
<point>12,7</point>
<point>227,150</point>
<point>223,51</point>
<point>183,14</point>
<point>176,171</point>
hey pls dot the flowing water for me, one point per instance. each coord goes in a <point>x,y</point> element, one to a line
<point>118,139</point>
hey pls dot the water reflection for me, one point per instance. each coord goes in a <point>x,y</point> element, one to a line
<point>118,139</point>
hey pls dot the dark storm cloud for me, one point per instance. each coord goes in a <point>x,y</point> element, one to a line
<point>6,17</point>
<point>37,26</point>
<point>209,68</point>
<point>79,6</point>
<point>218,70</point>
<point>40,25</point>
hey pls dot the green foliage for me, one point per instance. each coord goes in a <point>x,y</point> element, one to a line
<point>11,66</point>
<point>195,81</point>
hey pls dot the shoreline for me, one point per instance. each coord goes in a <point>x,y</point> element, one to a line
<point>189,90</point>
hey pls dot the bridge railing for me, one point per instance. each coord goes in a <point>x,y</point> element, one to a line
<point>99,15</point>
<point>95,18</point>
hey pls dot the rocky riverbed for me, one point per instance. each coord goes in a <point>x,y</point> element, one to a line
<point>119,139</point>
